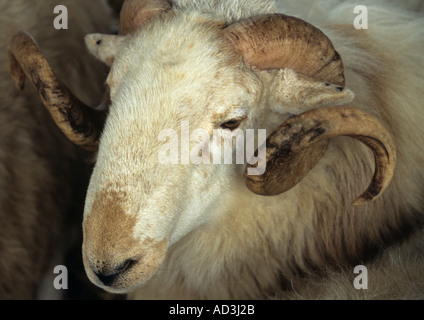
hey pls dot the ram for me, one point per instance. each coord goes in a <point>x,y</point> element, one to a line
<point>341,107</point>
<point>42,176</point>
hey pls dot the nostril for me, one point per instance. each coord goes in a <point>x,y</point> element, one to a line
<point>107,280</point>
<point>125,265</point>
<point>107,277</point>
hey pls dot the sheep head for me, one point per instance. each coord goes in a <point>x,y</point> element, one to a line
<point>170,68</point>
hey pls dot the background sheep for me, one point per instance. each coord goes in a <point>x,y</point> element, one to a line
<point>262,248</point>
<point>43,177</point>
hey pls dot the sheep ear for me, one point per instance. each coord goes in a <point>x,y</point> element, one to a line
<point>296,93</point>
<point>103,46</point>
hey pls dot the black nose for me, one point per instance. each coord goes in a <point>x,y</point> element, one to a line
<point>108,275</point>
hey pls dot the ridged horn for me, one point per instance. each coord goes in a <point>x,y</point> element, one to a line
<point>278,41</point>
<point>289,157</point>
<point>80,123</point>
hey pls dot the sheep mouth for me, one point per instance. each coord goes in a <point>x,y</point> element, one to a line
<point>129,275</point>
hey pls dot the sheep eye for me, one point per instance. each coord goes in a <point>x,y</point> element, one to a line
<point>232,124</point>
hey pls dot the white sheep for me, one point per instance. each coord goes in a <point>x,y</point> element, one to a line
<point>42,175</point>
<point>195,231</point>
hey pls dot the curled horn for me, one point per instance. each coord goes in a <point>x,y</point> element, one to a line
<point>80,123</point>
<point>278,41</point>
<point>288,149</point>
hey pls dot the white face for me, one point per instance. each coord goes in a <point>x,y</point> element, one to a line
<point>138,205</point>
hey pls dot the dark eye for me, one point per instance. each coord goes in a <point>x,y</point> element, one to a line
<point>232,124</point>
